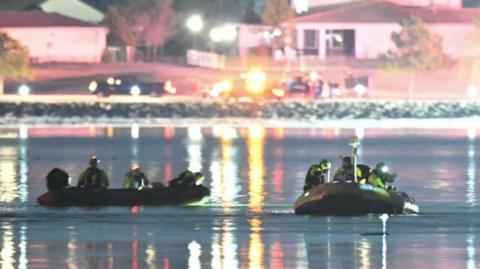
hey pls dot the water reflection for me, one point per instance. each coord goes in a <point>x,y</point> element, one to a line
<point>256,248</point>
<point>471,198</point>
<point>14,172</point>
<point>194,148</point>
<point>256,168</point>
<point>72,249</point>
<point>225,184</point>
<point>256,179</point>
<point>250,231</point>
<point>195,250</point>
<point>471,261</point>
<point>7,253</point>
<point>224,248</point>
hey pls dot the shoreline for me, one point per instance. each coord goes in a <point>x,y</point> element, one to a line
<point>12,112</point>
<point>470,123</point>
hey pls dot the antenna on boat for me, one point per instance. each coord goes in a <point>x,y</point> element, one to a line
<point>354,143</point>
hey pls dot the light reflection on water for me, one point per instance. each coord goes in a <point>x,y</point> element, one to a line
<point>255,175</point>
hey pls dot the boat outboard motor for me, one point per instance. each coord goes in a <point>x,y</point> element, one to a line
<point>57,179</point>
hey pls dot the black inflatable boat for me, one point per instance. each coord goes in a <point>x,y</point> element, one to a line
<point>350,199</point>
<point>60,194</point>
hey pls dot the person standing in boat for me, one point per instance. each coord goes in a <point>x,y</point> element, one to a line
<point>345,172</point>
<point>93,177</point>
<point>135,179</point>
<point>317,174</point>
<point>380,176</point>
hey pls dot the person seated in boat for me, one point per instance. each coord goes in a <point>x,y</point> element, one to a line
<point>93,177</point>
<point>345,172</point>
<point>380,176</point>
<point>187,179</point>
<point>136,179</point>
<point>317,174</point>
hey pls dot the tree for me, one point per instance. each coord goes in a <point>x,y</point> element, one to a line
<point>249,15</point>
<point>14,60</point>
<point>416,49</point>
<point>275,14</point>
<point>142,22</point>
<point>161,27</point>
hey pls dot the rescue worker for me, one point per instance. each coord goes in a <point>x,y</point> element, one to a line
<point>345,172</point>
<point>93,177</point>
<point>317,174</point>
<point>135,179</point>
<point>187,179</point>
<point>380,175</point>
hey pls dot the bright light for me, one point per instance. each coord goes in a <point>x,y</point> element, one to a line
<point>385,169</point>
<point>93,86</point>
<point>195,23</point>
<point>135,90</point>
<point>472,91</point>
<point>256,80</point>
<point>301,6</point>
<point>360,89</point>
<point>221,87</point>
<point>169,87</point>
<point>226,33</point>
<point>23,90</point>
<point>216,34</point>
<point>135,131</point>
<point>229,32</point>
<point>110,81</point>
<point>278,92</point>
<point>277,32</point>
<point>313,76</point>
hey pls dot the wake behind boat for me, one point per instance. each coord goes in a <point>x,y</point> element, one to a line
<point>350,199</point>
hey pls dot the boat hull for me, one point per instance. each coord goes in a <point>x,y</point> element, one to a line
<point>350,199</point>
<point>123,197</point>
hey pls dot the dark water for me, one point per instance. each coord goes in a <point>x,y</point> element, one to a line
<point>255,175</point>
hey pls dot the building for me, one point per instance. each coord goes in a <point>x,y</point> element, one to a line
<point>363,29</point>
<point>76,9</point>
<point>51,37</point>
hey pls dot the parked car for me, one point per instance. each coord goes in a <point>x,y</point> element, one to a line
<point>129,85</point>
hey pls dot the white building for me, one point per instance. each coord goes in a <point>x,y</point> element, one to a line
<point>51,37</point>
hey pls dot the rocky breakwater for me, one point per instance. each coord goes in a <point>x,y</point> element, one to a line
<point>267,110</point>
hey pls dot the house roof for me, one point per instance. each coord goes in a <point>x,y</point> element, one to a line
<point>71,8</point>
<point>38,19</point>
<point>381,11</point>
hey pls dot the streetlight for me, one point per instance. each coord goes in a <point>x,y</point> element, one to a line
<point>195,25</point>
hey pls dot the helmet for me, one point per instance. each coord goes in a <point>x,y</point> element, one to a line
<point>382,167</point>
<point>347,159</point>
<point>325,164</point>
<point>135,167</point>
<point>93,160</point>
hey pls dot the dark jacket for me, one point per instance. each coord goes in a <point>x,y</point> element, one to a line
<point>93,177</point>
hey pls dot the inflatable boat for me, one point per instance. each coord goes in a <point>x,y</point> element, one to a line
<point>61,194</point>
<point>350,199</point>
<point>73,196</point>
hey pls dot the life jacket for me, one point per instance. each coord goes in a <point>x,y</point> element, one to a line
<point>137,180</point>
<point>93,178</point>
